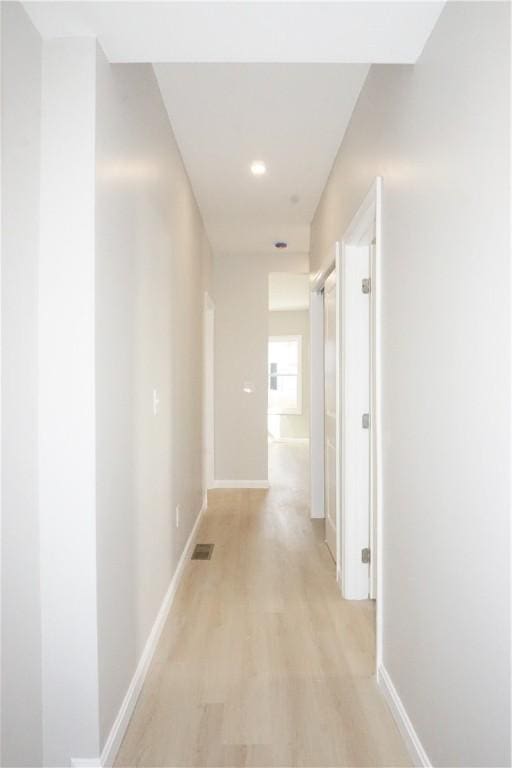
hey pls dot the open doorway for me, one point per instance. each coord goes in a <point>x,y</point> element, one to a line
<point>288,375</point>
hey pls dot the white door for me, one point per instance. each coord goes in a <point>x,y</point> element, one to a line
<point>330,411</point>
<point>373,443</point>
<point>356,422</point>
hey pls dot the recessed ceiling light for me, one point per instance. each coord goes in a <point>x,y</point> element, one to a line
<point>280,244</point>
<point>258,168</point>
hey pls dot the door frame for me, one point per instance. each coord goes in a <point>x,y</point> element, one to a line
<point>368,214</point>
<point>337,443</point>
<point>317,393</point>
<point>368,219</point>
<point>208,393</point>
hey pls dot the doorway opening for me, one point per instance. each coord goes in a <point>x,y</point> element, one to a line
<point>288,374</point>
<point>345,423</point>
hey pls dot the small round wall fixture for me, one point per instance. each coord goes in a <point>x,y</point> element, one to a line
<point>258,168</point>
<point>280,244</point>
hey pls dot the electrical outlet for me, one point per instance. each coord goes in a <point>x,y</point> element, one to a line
<point>178,513</point>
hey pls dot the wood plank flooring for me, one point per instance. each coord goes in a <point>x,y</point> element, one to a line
<point>261,662</point>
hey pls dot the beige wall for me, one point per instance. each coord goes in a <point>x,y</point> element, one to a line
<point>91,476</point>
<point>438,133</point>
<point>241,336</point>
<point>294,323</point>
<point>152,266</point>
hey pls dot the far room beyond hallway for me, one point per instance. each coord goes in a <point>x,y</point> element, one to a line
<point>288,363</point>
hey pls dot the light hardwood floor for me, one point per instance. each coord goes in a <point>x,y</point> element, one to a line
<point>261,662</point>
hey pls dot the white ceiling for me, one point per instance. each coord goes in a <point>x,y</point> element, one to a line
<point>342,32</point>
<point>288,291</point>
<point>291,116</point>
<point>256,80</point>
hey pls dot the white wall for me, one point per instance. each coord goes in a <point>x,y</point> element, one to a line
<point>67,435</point>
<point>438,132</point>
<point>293,323</point>
<point>152,266</point>
<point>21,637</point>
<point>105,262</point>
<point>241,336</point>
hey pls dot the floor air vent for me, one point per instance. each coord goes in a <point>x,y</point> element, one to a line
<point>202,552</point>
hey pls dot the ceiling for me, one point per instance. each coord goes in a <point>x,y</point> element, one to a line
<point>291,116</point>
<point>253,80</point>
<point>288,291</point>
<point>258,30</point>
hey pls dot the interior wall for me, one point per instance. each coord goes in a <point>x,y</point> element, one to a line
<point>438,133</point>
<point>21,50</point>
<point>294,323</point>
<point>91,477</point>
<point>152,267</point>
<point>66,402</point>
<point>241,337</point>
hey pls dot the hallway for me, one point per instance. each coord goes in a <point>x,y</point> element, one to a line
<point>223,220</point>
<point>261,662</point>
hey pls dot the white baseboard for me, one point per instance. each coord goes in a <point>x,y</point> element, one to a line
<point>339,579</point>
<point>120,725</point>
<point>406,728</point>
<point>118,730</point>
<point>242,484</point>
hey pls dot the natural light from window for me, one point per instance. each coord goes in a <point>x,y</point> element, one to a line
<point>284,368</point>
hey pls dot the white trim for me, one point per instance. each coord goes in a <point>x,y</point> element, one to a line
<point>241,484</point>
<point>414,746</point>
<point>377,412</point>
<point>120,725</point>
<point>319,279</point>
<point>1,379</point>
<point>316,413</point>
<point>208,391</point>
<point>339,446</point>
<point>369,215</point>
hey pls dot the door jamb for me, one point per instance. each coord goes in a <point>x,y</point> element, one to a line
<point>370,214</point>
<point>317,394</point>
<point>317,405</point>
<point>208,393</point>
<point>369,210</point>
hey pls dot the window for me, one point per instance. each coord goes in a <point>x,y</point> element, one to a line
<point>284,375</point>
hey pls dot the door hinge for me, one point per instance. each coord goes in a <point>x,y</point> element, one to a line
<point>366,555</point>
<point>365,421</point>
<point>366,285</point>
